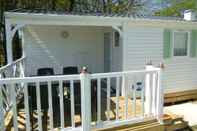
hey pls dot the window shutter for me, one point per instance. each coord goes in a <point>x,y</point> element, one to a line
<point>167,44</point>
<point>193,42</point>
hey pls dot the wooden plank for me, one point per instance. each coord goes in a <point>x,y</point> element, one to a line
<point>180,93</point>
<point>180,96</point>
<point>142,126</point>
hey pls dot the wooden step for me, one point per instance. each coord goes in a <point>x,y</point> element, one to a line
<point>180,96</point>
<point>143,126</point>
<point>174,122</point>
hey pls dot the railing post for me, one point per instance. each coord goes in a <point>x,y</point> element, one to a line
<point>85,100</point>
<point>148,90</point>
<point>160,94</point>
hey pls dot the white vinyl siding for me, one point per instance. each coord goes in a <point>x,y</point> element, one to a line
<point>180,74</point>
<point>144,44</point>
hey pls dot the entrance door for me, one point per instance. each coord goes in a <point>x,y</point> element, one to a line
<point>107,52</point>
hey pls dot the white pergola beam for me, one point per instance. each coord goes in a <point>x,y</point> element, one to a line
<point>118,29</point>
<point>8,42</point>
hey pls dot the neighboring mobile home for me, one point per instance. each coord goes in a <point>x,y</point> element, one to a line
<point>109,43</point>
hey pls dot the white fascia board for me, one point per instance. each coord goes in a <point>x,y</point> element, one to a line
<point>53,19</point>
<point>56,19</point>
<point>171,24</point>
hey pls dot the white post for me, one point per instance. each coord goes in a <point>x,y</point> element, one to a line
<point>148,90</point>
<point>160,95</point>
<point>8,42</point>
<point>85,100</point>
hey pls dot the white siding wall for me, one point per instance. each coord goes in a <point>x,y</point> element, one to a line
<point>45,47</point>
<point>180,74</point>
<point>142,44</point>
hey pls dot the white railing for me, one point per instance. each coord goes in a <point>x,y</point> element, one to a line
<point>92,86</point>
<point>13,70</point>
<point>150,96</point>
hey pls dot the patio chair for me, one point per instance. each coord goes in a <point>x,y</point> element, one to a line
<point>45,71</point>
<point>70,70</point>
<point>43,95</point>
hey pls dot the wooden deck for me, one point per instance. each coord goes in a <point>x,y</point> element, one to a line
<point>131,113</point>
<point>172,121</point>
<point>169,119</point>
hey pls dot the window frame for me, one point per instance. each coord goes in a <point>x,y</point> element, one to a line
<point>188,43</point>
<point>115,45</point>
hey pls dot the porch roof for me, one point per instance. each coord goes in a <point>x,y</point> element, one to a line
<point>45,17</point>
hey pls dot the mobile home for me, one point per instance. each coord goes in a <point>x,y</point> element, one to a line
<point>106,44</point>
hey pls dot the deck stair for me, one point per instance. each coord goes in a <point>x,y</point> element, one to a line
<point>152,125</point>
<point>171,122</point>
<point>174,122</point>
<point>172,98</point>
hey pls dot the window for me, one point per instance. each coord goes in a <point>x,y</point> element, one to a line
<point>116,39</point>
<point>180,46</point>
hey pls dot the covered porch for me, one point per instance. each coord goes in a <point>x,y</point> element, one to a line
<point>98,97</point>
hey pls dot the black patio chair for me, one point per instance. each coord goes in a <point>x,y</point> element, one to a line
<point>43,94</point>
<point>70,70</point>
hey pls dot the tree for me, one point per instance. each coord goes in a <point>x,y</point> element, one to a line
<point>176,8</point>
<point>96,6</point>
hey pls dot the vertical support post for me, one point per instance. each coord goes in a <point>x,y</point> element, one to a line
<point>85,100</point>
<point>160,95</point>
<point>8,42</point>
<point>148,91</point>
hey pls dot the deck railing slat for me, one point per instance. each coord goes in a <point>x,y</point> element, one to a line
<point>151,94</point>
<point>61,89</point>
<point>39,106</point>
<point>134,97</point>
<point>98,100</point>
<point>142,98</point>
<point>72,104</point>
<point>14,107</point>
<point>50,104</point>
<point>117,96</point>
<point>108,98</point>
<point>2,127</point>
<point>126,95</point>
<point>26,100</point>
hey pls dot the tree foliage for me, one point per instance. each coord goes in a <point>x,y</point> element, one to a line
<point>177,7</point>
<point>96,6</point>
